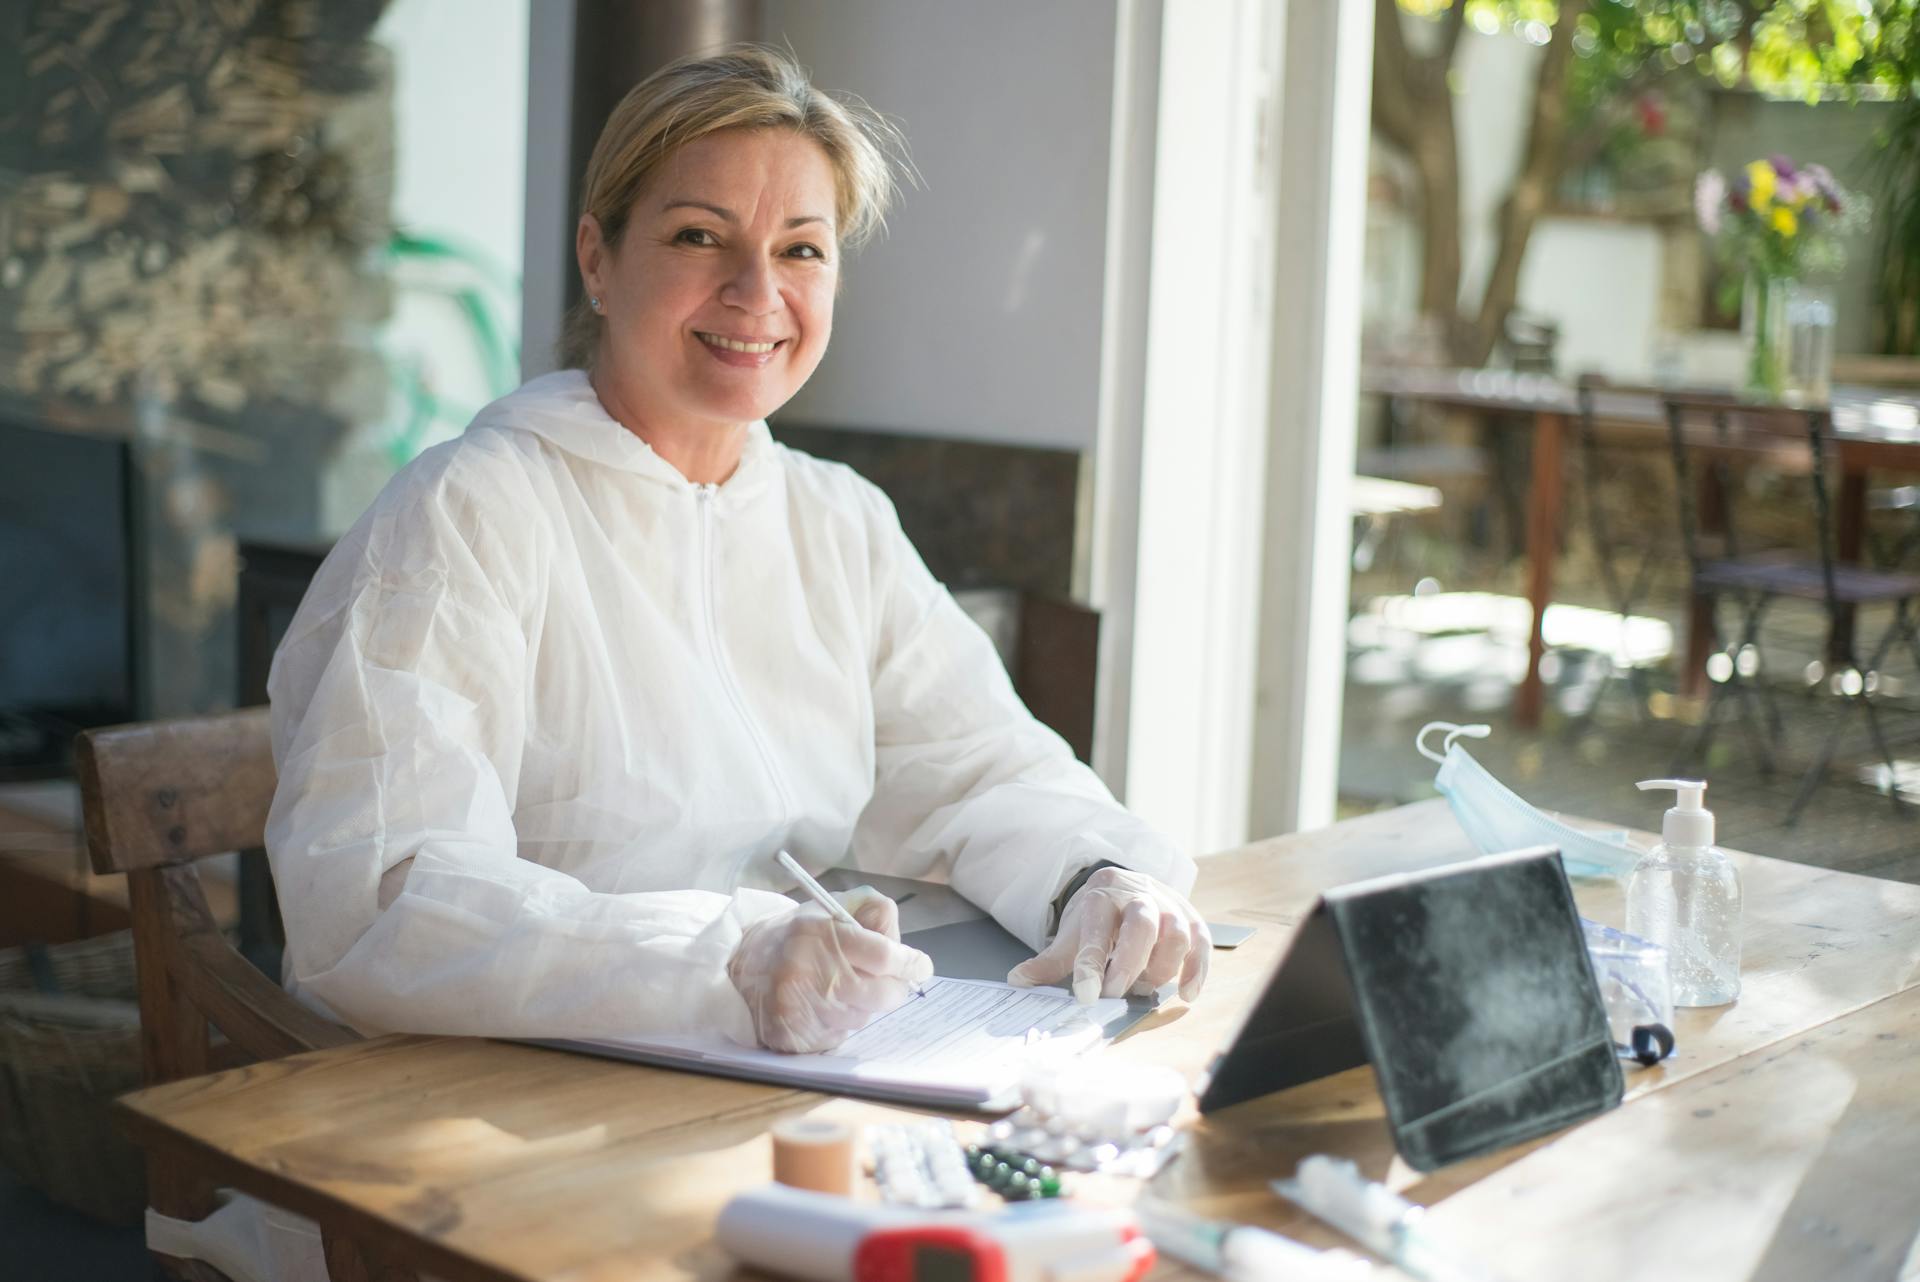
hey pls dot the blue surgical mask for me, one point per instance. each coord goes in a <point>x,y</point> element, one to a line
<point>1496,818</point>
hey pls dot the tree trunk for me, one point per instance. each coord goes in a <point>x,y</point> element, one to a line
<point>1436,159</point>
<point>1413,110</point>
<point>1540,171</point>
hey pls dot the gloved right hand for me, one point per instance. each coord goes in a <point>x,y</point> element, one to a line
<point>809,981</point>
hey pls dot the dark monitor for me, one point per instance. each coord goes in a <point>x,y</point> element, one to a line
<point>70,593</point>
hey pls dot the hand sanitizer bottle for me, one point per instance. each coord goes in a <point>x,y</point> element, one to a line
<point>1684,894</point>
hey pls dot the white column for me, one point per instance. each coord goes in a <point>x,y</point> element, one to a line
<point>1325,123</point>
<point>1203,449</point>
<point>1114,513</point>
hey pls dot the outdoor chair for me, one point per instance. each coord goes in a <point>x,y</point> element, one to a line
<point>1726,437</point>
<point>1892,553</point>
<point>157,798</point>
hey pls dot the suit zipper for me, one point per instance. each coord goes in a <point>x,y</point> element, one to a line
<point>704,496</point>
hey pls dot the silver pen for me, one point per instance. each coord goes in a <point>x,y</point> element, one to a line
<point>835,909</point>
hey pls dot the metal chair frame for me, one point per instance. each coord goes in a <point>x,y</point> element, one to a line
<point>1746,683</point>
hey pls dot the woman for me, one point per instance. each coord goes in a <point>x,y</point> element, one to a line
<point>553,704</point>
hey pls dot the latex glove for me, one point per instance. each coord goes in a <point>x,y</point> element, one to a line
<point>1123,932</point>
<point>809,981</point>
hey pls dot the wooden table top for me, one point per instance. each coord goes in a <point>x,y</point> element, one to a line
<point>1874,415</point>
<point>1782,1136</point>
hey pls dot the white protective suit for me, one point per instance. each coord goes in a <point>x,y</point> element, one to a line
<point>589,700</point>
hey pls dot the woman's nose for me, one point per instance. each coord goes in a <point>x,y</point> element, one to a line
<point>752,287</point>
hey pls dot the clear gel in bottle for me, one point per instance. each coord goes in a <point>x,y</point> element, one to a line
<point>1684,895</point>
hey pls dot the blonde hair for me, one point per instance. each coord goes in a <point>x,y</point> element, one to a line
<point>741,87</point>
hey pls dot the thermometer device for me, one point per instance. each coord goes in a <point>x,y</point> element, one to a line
<point>823,1238</point>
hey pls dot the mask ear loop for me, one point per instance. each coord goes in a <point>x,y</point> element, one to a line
<point>1453,732</point>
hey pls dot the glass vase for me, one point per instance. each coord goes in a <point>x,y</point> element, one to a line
<point>1763,324</point>
<point>1810,316</point>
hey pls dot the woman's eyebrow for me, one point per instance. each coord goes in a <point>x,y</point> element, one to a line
<point>727,215</point>
<point>718,211</point>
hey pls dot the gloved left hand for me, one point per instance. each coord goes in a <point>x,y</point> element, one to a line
<point>1123,932</point>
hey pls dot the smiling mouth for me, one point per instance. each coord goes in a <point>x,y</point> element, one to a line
<point>737,345</point>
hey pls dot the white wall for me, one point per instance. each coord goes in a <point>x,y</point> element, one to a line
<point>979,313</point>
<point>1599,280</point>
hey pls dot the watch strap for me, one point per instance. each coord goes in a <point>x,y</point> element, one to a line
<point>1061,900</point>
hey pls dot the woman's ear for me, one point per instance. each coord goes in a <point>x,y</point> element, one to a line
<point>591,251</point>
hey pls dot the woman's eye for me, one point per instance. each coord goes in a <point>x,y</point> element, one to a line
<point>806,251</point>
<point>693,236</point>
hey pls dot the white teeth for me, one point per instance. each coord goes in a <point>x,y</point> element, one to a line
<point>757,349</point>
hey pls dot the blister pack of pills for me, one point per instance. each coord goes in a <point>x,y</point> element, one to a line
<point>922,1165</point>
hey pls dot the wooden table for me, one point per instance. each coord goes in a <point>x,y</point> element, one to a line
<point>1872,428</point>
<point>48,895</point>
<point>1779,1143</point>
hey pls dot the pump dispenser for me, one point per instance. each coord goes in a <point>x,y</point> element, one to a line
<point>1684,895</point>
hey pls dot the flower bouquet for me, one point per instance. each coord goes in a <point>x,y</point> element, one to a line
<point>1779,223</point>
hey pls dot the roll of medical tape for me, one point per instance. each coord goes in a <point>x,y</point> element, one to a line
<point>809,1153</point>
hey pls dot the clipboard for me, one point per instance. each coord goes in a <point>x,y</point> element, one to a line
<point>1467,987</point>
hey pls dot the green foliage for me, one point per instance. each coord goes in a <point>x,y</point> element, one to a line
<point>1896,182</point>
<point>1804,49</point>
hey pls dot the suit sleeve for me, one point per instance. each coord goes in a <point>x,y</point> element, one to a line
<point>969,787</point>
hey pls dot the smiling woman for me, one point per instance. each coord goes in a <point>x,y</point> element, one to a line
<point>552,708</point>
<point>716,206</point>
<point>717,302</point>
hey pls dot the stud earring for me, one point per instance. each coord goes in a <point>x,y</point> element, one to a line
<point>594,303</point>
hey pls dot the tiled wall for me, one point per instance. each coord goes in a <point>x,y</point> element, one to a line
<point>983,515</point>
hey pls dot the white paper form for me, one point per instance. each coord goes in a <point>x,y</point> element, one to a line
<point>957,1022</point>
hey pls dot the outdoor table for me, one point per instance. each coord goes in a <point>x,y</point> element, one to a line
<point>1778,1143</point>
<point>1872,428</point>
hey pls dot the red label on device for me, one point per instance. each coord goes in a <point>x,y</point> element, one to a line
<point>930,1253</point>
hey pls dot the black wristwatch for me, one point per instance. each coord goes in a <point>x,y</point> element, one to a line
<point>1061,900</point>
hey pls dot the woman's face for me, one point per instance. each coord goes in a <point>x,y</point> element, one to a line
<point>718,300</point>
